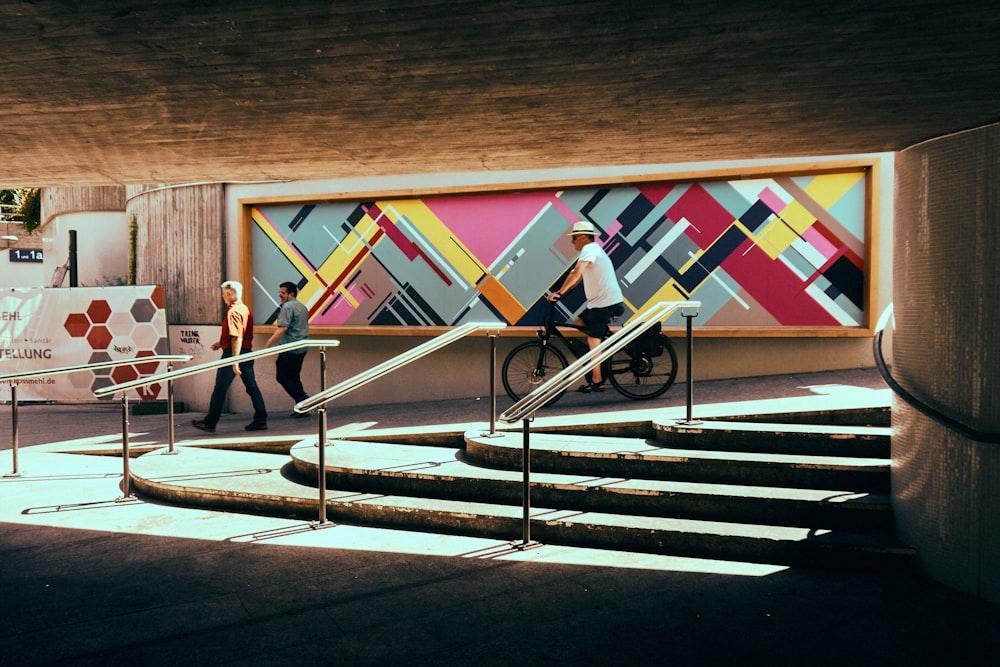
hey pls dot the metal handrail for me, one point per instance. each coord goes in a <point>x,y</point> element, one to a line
<point>12,377</point>
<point>169,378</point>
<point>211,365</point>
<point>921,406</point>
<point>560,382</point>
<point>322,398</point>
<point>94,366</point>
<point>319,400</point>
<point>525,408</point>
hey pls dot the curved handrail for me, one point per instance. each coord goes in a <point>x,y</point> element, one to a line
<point>545,393</point>
<point>210,365</point>
<point>935,414</point>
<point>322,398</point>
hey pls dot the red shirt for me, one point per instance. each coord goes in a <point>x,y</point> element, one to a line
<point>238,322</point>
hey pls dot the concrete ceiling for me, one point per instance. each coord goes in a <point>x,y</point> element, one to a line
<point>111,91</point>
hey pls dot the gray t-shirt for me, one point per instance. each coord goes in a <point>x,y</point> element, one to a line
<point>295,316</point>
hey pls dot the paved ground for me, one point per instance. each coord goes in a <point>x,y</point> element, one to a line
<point>86,578</point>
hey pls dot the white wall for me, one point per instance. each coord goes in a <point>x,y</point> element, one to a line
<point>102,248</point>
<point>18,274</point>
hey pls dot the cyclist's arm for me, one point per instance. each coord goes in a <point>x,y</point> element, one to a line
<point>574,277</point>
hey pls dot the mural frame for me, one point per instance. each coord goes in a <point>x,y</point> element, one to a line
<point>871,177</point>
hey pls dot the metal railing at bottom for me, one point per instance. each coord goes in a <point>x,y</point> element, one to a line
<point>318,401</point>
<point>12,378</point>
<point>525,408</point>
<point>172,375</point>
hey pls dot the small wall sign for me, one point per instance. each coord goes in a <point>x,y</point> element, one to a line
<point>20,255</point>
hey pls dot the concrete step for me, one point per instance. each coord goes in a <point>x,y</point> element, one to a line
<point>445,473</point>
<point>837,416</point>
<point>650,459</point>
<point>252,481</point>
<point>777,438</point>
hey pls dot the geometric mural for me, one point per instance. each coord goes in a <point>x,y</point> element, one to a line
<point>763,252</point>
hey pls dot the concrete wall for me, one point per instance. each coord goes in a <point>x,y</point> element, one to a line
<point>945,486</point>
<point>188,242</point>
<point>456,373</point>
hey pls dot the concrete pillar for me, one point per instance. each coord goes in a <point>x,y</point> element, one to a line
<point>946,350</point>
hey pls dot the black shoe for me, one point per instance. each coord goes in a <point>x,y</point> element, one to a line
<point>591,387</point>
<point>202,426</point>
<point>256,426</point>
<point>299,415</point>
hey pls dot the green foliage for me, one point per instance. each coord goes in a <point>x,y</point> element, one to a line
<point>24,206</point>
<point>31,210</point>
<point>133,241</point>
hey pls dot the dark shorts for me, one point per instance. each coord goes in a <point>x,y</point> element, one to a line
<point>597,320</point>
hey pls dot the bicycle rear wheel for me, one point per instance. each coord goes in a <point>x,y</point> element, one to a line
<point>529,365</point>
<point>642,376</point>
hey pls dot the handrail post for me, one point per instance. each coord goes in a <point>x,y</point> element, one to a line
<point>322,368</point>
<point>170,412</point>
<point>526,542</point>
<point>526,493</point>
<point>321,418</point>
<point>126,475</point>
<point>13,428</point>
<point>690,421</point>
<point>493,383</point>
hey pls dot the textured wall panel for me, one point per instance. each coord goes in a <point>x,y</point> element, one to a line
<point>62,200</point>
<point>945,485</point>
<point>181,246</point>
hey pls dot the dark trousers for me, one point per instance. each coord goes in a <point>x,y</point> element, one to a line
<point>223,378</point>
<point>287,369</point>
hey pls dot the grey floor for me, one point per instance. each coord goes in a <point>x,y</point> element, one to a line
<point>87,578</point>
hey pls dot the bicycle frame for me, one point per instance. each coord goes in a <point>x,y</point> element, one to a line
<point>632,372</point>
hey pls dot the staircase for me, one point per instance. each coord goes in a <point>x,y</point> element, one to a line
<point>782,489</point>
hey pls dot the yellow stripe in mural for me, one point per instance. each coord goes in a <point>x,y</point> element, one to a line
<point>829,188</point>
<point>826,190</point>
<point>337,266</point>
<point>443,240</point>
<point>286,248</point>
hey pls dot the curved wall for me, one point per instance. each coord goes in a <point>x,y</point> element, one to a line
<point>946,487</point>
<point>181,245</point>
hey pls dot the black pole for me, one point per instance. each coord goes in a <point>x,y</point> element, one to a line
<point>690,421</point>
<point>72,259</point>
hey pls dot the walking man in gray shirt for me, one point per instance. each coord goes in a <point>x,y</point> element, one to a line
<point>292,325</point>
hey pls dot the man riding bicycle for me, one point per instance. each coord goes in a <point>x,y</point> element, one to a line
<point>600,285</point>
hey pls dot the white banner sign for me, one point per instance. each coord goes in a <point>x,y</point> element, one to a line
<point>52,328</point>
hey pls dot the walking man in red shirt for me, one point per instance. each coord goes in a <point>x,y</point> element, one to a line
<point>236,338</point>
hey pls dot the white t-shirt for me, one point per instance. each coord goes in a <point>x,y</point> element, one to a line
<point>599,281</point>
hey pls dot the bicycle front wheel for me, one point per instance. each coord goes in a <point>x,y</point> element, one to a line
<point>529,365</point>
<point>642,376</point>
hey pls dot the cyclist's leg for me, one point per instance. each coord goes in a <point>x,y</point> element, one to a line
<point>596,321</point>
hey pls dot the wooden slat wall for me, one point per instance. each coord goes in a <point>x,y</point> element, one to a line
<point>181,245</point>
<point>62,200</point>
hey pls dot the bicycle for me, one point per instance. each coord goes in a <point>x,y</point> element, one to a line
<point>643,369</point>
